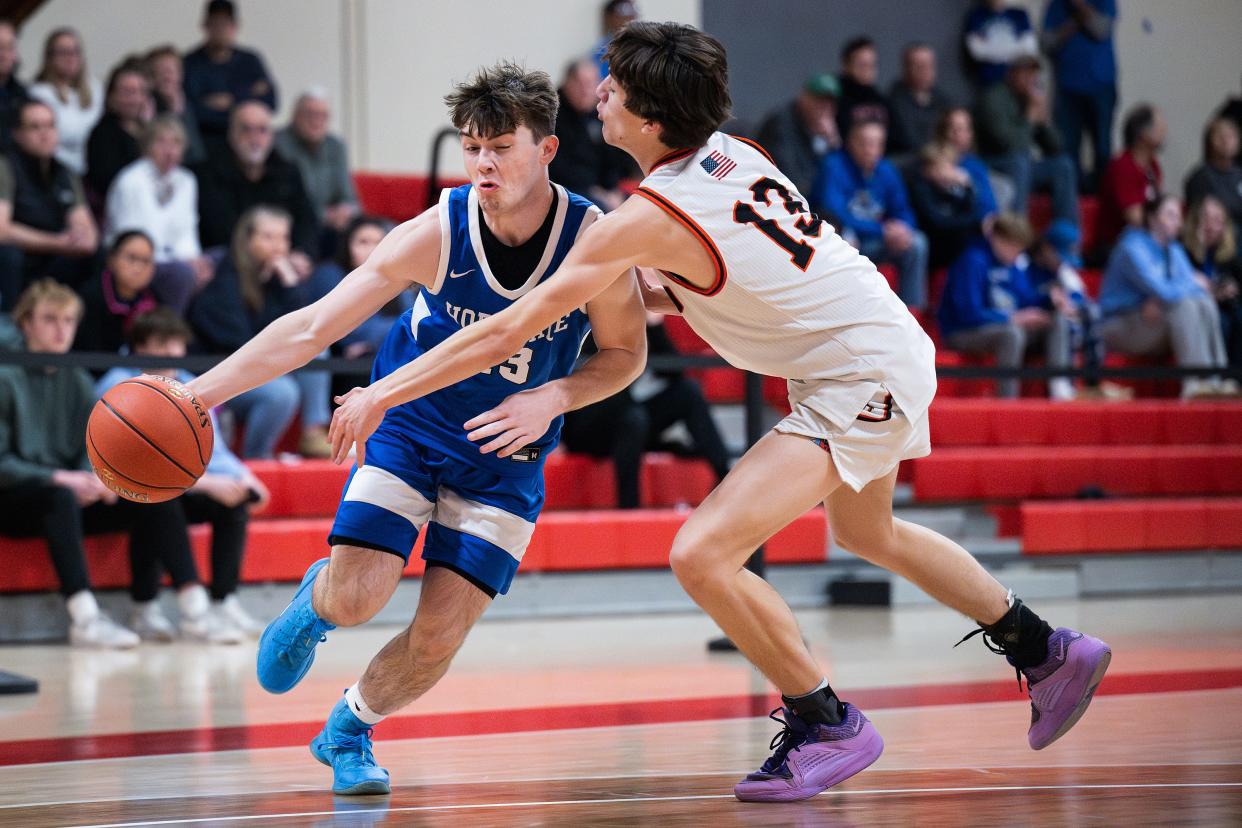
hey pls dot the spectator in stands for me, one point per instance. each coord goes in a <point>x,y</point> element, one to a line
<point>1134,177</point>
<point>47,489</point>
<point>990,308</point>
<point>322,160</point>
<point>1154,301</point>
<point>799,134</point>
<point>865,192</point>
<point>583,162</point>
<point>120,294</point>
<point>75,98</point>
<point>631,422</point>
<point>220,75</point>
<point>915,100</point>
<point>1231,110</point>
<point>1210,240</point>
<point>1078,37</point>
<point>356,244</point>
<point>1012,120</point>
<point>254,285</point>
<point>167,87</point>
<point>1055,259</point>
<point>224,497</point>
<point>616,14</point>
<point>12,92</point>
<point>45,225</point>
<point>949,210</point>
<point>249,175</point>
<point>1219,174</point>
<point>160,196</point>
<point>114,142</point>
<point>996,35</point>
<point>956,129</point>
<point>861,100</point>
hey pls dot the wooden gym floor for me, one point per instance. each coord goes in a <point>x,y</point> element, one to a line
<point>629,722</point>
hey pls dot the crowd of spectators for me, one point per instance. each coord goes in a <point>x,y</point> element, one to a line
<point>165,212</point>
<point>920,181</point>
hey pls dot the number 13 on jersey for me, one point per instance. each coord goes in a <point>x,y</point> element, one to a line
<point>516,368</point>
<point>808,224</point>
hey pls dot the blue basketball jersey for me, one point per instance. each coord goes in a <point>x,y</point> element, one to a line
<point>464,292</point>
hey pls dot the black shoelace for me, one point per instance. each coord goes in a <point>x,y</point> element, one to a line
<point>991,644</point>
<point>783,743</point>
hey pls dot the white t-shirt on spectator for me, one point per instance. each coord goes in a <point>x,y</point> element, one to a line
<point>73,122</point>
<point>165,207</point>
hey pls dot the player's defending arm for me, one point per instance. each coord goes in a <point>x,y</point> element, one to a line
<point>618,324</point>
<point>409,254</point>
<point>605,254</point>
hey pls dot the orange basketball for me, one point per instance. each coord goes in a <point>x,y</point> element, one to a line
<point>149,439</point>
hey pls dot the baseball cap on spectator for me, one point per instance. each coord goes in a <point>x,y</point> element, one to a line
<point>823,85</point>
<point>224,8</point>
<point>1063,235</point>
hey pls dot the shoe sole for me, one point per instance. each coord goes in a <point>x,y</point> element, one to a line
<point>309,577</point>
<point>856,761</point>
<point>1096,677</point>
<point>370,786</point>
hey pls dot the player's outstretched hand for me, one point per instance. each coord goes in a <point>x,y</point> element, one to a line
<point>353,424</point>
<point>518,421</point>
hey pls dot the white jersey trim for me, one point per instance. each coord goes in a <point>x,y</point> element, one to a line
<point>446,242</point>
<point>554,238</point>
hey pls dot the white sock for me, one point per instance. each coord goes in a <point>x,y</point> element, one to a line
<point>359,707</point>
<point>193,601</point>
<point>82,606</point>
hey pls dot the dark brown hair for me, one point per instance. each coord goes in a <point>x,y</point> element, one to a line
<point>501,98</point>
<point>161,323</point>
<point>674,75</point>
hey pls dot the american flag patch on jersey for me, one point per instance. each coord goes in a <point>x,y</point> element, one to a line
<point>717,165</point>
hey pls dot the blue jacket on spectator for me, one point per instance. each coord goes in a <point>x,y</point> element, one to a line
<point>1139,269</point>
<point>223,461</point>
<point>1083,64</point>
<point>982,22</point>
<point>982,290</point>
<point>862,203</point>
<point>985,199</point>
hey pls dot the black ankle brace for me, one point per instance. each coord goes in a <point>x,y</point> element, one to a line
<point>819,707</point>
<point>1020,634</point>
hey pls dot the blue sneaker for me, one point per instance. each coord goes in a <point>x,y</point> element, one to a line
<point>344,745</point>
<point>287,646</point>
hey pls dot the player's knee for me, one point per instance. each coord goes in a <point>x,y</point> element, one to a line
<point>345,602</point>
<point>695,559</point>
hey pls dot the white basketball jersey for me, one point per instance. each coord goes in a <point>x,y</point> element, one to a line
<point>790,297</point>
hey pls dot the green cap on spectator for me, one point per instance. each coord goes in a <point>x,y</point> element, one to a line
<point>823,85</point>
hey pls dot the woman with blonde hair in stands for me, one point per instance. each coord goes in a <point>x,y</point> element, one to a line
<point>254,285</point>
<point>75,97</point>
<point>1211,242</point>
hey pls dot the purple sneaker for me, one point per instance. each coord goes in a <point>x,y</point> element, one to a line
<point>811,758</point>
<point>1062,686</point>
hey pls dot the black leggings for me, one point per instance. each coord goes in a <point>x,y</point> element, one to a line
<point>623,429</point>
<point>157,535</point>
<point>228,539</point>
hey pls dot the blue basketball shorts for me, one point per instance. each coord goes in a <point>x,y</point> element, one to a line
<point>479,523</point>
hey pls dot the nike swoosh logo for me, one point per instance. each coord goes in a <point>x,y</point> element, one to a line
<point>356,707</point>
<point>455,275</point>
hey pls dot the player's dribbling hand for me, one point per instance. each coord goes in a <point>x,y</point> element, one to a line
<point>353,424</point>
<point>518,421</point>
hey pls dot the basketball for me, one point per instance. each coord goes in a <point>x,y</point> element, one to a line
<point>149,439</point>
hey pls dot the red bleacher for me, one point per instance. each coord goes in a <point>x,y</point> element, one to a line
<point>1171,472</point>
<point>293,531</point>
<point>1131,525</point>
